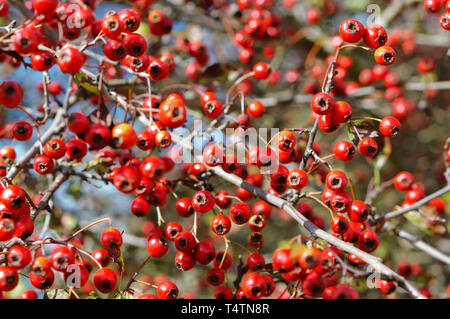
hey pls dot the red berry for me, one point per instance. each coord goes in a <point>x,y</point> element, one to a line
<point>8,278</point>
<point>185,241</point>
<point>204,252</point>
<point>203,201</point>
<point>403,181</point>
<point>105,280</point>
<point>240,213</point>
<point>43,164</point>
<point>111,239</point>
<point>367,147</point>
<point>22,131</point>
<point>390,126</point>
<point>157,246</point>
<point>297,179</point>
<point>261,70</point>
<point>167,290</point>
<point>368,240</point>
<point>351,30</point>
<point>385,55</point>
<point>220,224</point>
<point>358,211</point>
<point>322,103</point>
<point>253,285</point>
<point>255,109</point>
<point>344,151</point>
<point>70,60</point>
<point>339,224</point>
<point>375,36</point>
<point>336,180</point>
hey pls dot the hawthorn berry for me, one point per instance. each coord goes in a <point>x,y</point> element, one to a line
<point>385,55</point>
<point>157,246</point>
<point>368,147</point>
<point>390,126</point>
<point>167,290</point>
<point>111,239</point>
<point>202,201</point>
<point>351,30</point>
<point>105,280</point>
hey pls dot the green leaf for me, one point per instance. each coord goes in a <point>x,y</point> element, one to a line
<point>415,218</point>
<point>83,80</point>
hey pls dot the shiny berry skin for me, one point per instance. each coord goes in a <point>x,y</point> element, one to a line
<point>130,20</point>
<point>43,281</point>
<point>425,65</point>
<point>278,177</point>
<point>185,241</point>
<point>203,201</point>
<point>215,276</point>
<point>375,36</point>
<point>114,50</point>
<point>223,200</point>
<point>327,123</point>
<point>22,131</point>
<point>157,246</point>
<point>351,30</point>
<point>172,230</point>
<point>19,257</point>
<point>184,207</point>
<point>368,240</point>
<point>70,60</point>
<point>339,224</point>
<point>204,252</point>
<point>4,8</point>
<point>385,55</point>
<point>313,285</point>
<point>111,25</point>
<point>136,63</point>
<point>344,291</point>
<point>297,179</point>
<point>8,278</point>
<point>257,223</point>
<point>7,153</point>
<point>256,262</point>
<point>262,208</point>
<point>158,70</point>
<point>78,123</point>
<point>309,258</point>
<point>163,139</point>
<point>368,147</point>
<point>140,207</point>
<point>285,141</point>
<point>413,195</point>
<point>341,201</point>
<point>42,60</point>
<point>111,239</point>
<point>336,180</point>
<point>13,197</point>
<point>184,261</point>
<point>145,140</point>
<point>253,285</point>
<point>240,213</point>
<point>55,149</point>
<point>281,260</point>
<point>445,20</point>
<point>255,239</point>
<point>213,108</point>
<point>28,294</point>
<point>61,258</point>
<point>134,44</point>
<point>7,229</point>
<point>10,94</point>
<point>26,40</point>
<point>432,6</point>
<point>43,164</point>
<point>102,256</point>
<point>222,262</point>
<point>390,126</point>
<point>123,136</point>
<point>358,211</point>
<point>97,136</point>
<point>220,224</point>
<point>261,70</point>
<point>24,227</point>
<point>256,109</point>
<point>322,103</point>
<point>342,112</point>
<point>105,280</point>
<point>344,151</point>
<point>167,290</point>
<point>386,287</point>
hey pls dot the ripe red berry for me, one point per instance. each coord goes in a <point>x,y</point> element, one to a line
<point>344,291</point>
<point>215,276</point>
<point>313,285</point>
<point>185,241</point>
<point>42,60</point>
<point>8,278</point>
<point>114,50</point>
<point>297,179</point>
<point>157,246</point>
<point>240,213</point>
<point>351,30</point>
<point>342,112</point>
<point>203,201</point>
<point>111,239</point>
<point>102,256</point>
<point>375,36</point>
<point>445,20</point>
<point>134,44</point>
<point>432,6</point>
<point>344,151</point>
<point>213,108</point>
<point>285,141</point>
<point>390,126</point>
<point>385,55</point>
<point>220,224</point>
<point>358,211</point>
<point>339,224</point>
<point>43,164</point>
<point>256,262</point>
<point>7,229</point>
<point>55,149</point>
<point>70,60</point>
<point>253,285</point>
<point>61,258</point>
<point>167,290</point>
<point>261,70</point>
<point>28,294</point>
<point>368,147</point>
<point>336,180</point>
<point>105,280</point>
<point>281,260</point>
<point>341,201</point>
<point>140,207</point>
<point>368,240</point>
<point>256,109</point>
<point>322,103</point>
<point>204,252</point>
<point>19,257</point>
<point>184,261</point>
<point>22,131</point>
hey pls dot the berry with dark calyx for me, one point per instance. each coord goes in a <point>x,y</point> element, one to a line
<point>102,256</point>
<point>322,103</point>
<point>22,131</point>
<point>167,290</point>
<point>172,230</point>
<point>351,30</point>
<point>8,278</point>
<point>344,291</point>
<point>368,147</point>
<point>43,164</point>
<point>215,276</point>
<point>297,179</point>
<point>55,148</point>
<point>70,60</point>
<point>111,239</point>
<point>114,50</point>
<point>105,280</point>
<point>341,201</point>
<point>10,94</point>
<point>204,252</point>
<point>184,207</point>
<point>253,285</point>
<point>185,241</point>
<point>140,207</point>
<point>368,240</point>
<point>213,108</point>
<point>61,258</point>
<point>261,70</point>
<point>445,20</point>
<point>257,223</point>
<point>390,126</point>
<point>157,246</point>
<point>220,224</point>
<point>184,261</point>
<point>336,180</point>
<point>344,151</point>
<point>375,36</point>
<point>339,224</point>
<point>19,257</point>
<point>240,213</point>
<point>359,211</point>
<point>134,44</point>
<point>285,141</point>
<point>313,285</point>
<point>7,229</point>
<point>202,201</point>
<point>403,181</point>
<point>385,55</point>
<point>42,60</point>
<point>223,199</point>
<point>342,112</point>
<point>281,260</point>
